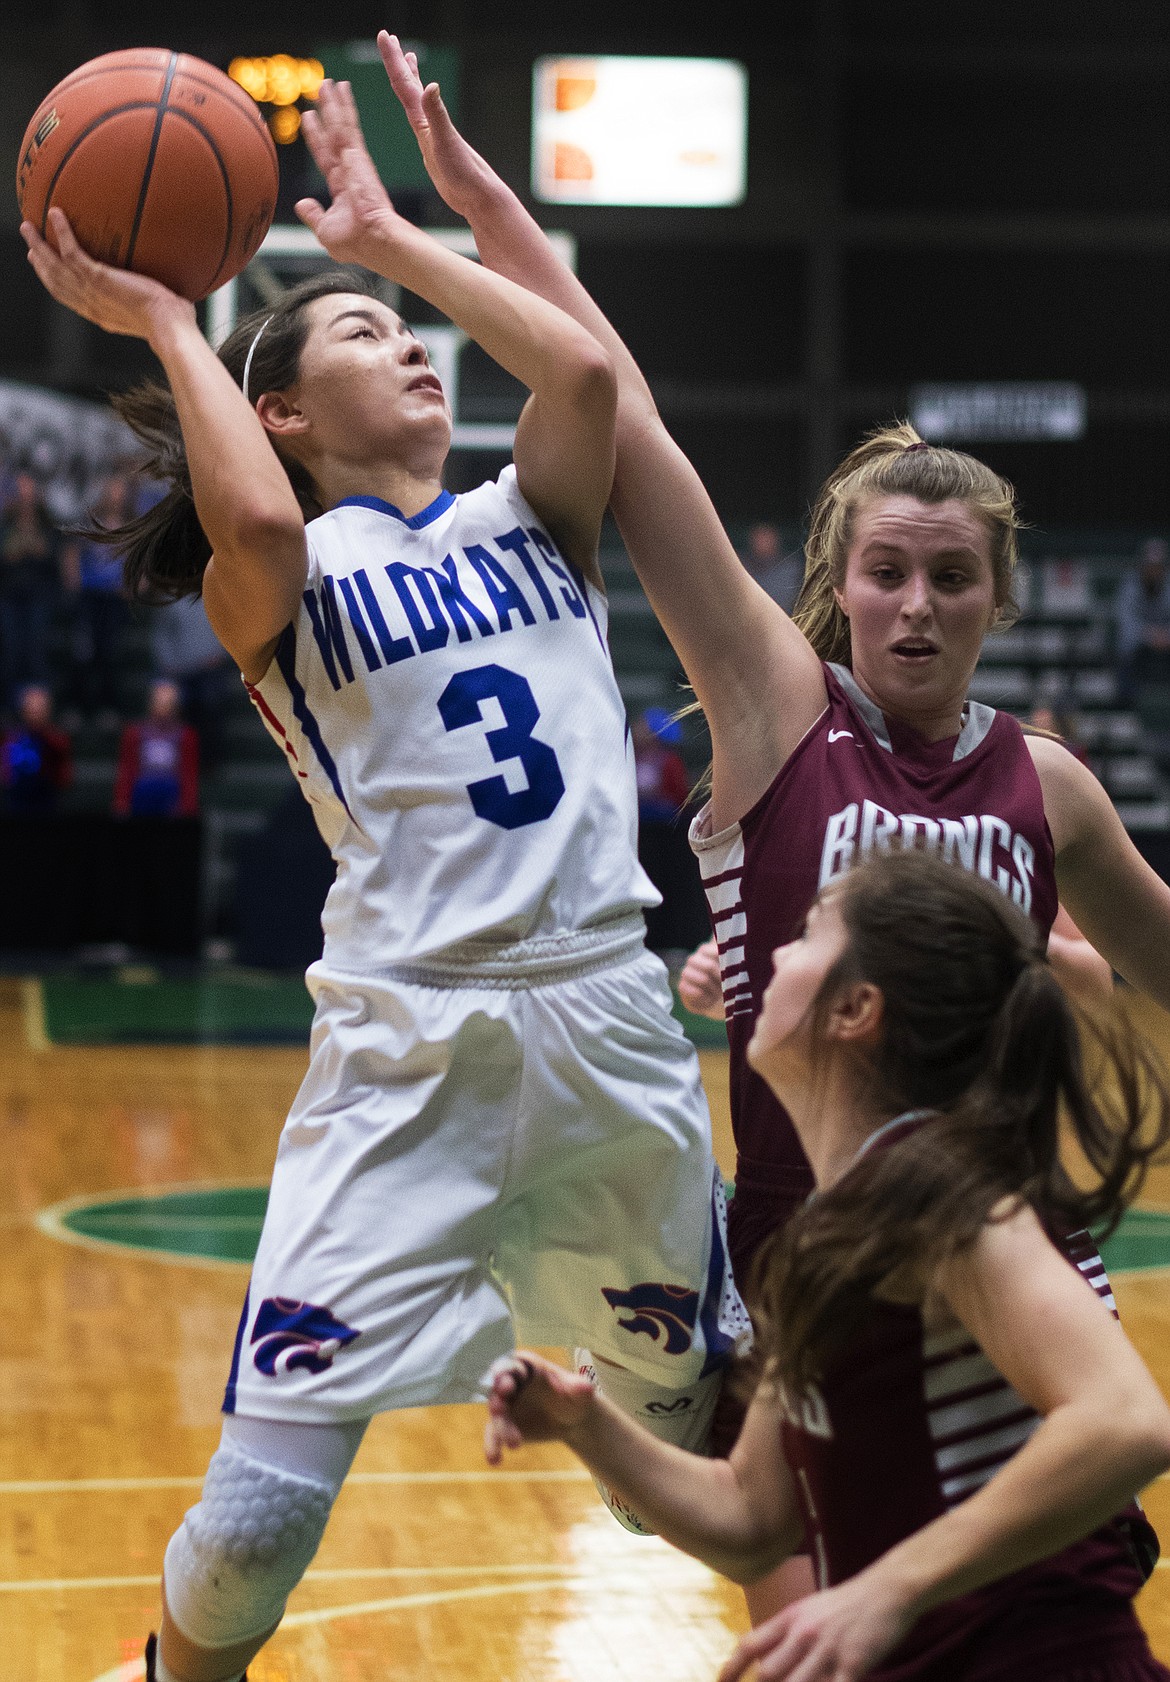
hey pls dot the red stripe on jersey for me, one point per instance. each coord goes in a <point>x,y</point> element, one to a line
<point>259,702</point>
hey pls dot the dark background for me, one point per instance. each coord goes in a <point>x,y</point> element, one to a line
<point>955,191</point>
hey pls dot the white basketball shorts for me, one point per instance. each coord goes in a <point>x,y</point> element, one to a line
<point>469,1153</point>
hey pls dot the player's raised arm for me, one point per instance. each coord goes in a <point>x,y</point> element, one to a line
<point>709,605</point>
<point>242,495</point>
<point>564,443</point>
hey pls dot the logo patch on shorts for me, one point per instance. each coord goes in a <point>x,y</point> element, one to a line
<point>297,1334</point>
<point>655,1309</point>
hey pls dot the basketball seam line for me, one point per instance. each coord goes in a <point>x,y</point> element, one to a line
<point>230,220</point>
<point>96,123</point>
<point>120,110</point>
<point>154,140</point>
<point>244,104</point>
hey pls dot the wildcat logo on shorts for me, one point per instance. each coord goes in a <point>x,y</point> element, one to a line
<point>297,1334</point>
<point>654,1309</point>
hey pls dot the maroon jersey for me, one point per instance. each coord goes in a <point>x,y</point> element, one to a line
<point>906,1425</point>
<point>857,783</point>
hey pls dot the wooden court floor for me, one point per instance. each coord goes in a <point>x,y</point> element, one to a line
<point>434,1566</point>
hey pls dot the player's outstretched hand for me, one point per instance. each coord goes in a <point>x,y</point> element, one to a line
<point>700,986</point>
<point>837,1635</point>
<point>118,300</point>
<point>532,1401</point>
<point>460,175</point>
<point>360,215</point>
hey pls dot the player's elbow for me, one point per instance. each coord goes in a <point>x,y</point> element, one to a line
<point>1137,1430</point>
<point>1150,1441</point>
<point>265,526</point>
<point>757,1550</point>
<point>590,376</point>
<point>748,1564</point>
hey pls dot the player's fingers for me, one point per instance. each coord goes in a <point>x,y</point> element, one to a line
<point>768,1636</point>
<point>510,1374</point>
<point>64,242</point>
<point>437,113</point>
<point>50,278</point>
<point>349,115</point>
<point>737,1665</point>
<point>325,110</point>
<point>393,58</point>
<point>791,1663</point>
<point>401,66</point>
<point>797,1657</point>
<point>333,112</point>
<point>320,142</point>
<point>37,247</point>
<point>310,212</point>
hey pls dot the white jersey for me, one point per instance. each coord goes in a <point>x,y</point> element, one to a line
<point>446,699</point>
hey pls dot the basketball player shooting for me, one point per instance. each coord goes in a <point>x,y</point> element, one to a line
<point>500,1118</point>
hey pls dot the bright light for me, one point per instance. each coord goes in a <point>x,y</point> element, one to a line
<point>285,124</point>
<point>279,80</point>
<point>645,131</point>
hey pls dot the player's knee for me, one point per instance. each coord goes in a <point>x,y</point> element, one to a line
<point>237,1556</point>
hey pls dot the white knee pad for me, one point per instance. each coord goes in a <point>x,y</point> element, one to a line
<point>682,1417</point>
<point>237,1556</point>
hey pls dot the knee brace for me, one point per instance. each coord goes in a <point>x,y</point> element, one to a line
<point>679,1416</point>
<point>237,1556</point>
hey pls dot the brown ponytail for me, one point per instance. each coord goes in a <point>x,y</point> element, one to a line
<point>166,550</point>
<point>977,1032</point>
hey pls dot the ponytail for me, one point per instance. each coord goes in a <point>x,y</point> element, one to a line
<point>165,550</point>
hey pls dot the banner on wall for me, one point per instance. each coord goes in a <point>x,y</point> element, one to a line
<point>67,443</point>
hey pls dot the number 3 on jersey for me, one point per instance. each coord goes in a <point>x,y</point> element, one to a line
<point>460,704</point>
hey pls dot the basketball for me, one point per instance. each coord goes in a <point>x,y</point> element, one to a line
<point>161,163</point>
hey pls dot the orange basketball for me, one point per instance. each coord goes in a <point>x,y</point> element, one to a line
<point>161,163</point>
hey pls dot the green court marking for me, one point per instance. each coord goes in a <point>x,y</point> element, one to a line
<point>1141,1242</point>
<point>214,1223</point>
<point>138,1007</point>
<point>222,1224</point>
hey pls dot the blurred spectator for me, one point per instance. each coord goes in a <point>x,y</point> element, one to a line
<point>7,471</point>
<point>158,761</point>
<point>30,581</point>
<point>779,574</point>
<point>663,784</point>
<point>93,576</point>
<point>1142,607</point>
<point>36,758</point>
<point>187,651</point>
<point>663,849</point>
<point>143,491</point>
<point>1046,717</point>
